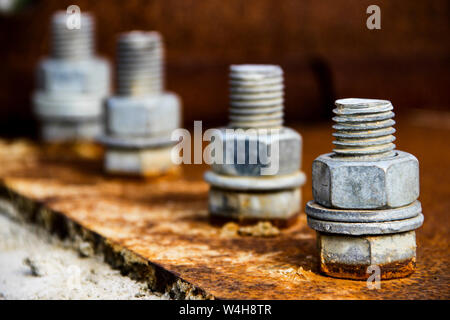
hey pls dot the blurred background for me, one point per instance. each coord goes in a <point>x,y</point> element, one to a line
<point>324,47</point>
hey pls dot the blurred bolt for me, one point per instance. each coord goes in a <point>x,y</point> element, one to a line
<point>141,117</point>
<point>71,83</point>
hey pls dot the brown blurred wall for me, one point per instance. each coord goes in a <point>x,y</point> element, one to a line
<point>324,47</point>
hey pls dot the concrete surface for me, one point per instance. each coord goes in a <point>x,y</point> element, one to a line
<point>36,265</point>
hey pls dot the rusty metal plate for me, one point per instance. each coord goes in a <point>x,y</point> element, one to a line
<point>158,230</point>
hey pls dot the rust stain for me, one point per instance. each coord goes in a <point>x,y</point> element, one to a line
<point>158,230</point>
<point>394,270</point>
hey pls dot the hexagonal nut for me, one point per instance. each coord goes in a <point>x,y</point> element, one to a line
<point>60,130</point>
<point>70,106</point>
<point>139,162</point>
<point>91,76</point>
<point>347,184</point>
<point>254,152</point>
<point>143,116</point>
<point>350,257</point>
<point>276,206</point>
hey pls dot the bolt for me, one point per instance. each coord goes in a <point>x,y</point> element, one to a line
<point>139,64</point>
<point>71,83</point>
<point>256,96</point>
<point>240,190</point>
<point>142,116</point>
<point>365,207</point>
<point>72,43</point>
<point>364,129</point>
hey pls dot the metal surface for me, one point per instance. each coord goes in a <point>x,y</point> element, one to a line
<point>159,231</point>
<point>367,174</point>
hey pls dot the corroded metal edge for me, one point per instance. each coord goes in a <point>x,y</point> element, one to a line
<point>118,257</point>
<point>394,270</point>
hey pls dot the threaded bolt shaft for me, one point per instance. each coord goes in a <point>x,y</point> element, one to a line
<point>364,128</point>
<point>139,63</point>
<point>72,43</point>
<point>256,96</point>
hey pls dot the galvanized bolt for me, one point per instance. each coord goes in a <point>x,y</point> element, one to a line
<point>142,116</point>
<point>72,43</point>
<point>241,190</point>
<point>256,96</point>
<point>71,83</point>
<point>139,66</point>
<point>365,207</point>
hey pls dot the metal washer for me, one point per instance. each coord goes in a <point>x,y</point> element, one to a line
<point>319,212</point>
<point>260,183</point>
<point>135,142</point>
<point>371,228</point>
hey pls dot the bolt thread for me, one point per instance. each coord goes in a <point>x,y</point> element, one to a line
<point>364,128</point>
<point>72,43</point>
<point>140,63</point>
<point>256,96</point>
